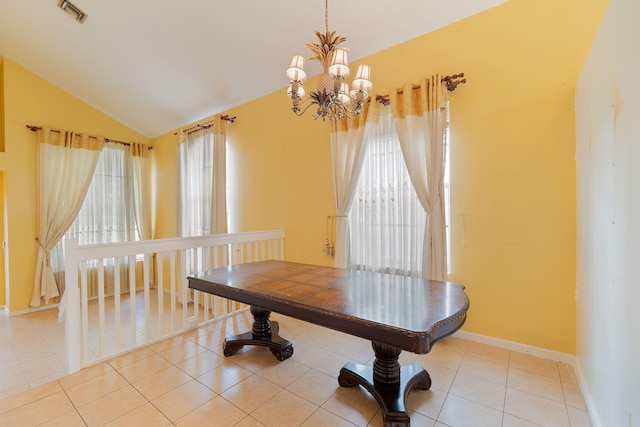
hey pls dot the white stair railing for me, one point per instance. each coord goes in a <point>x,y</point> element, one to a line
<point>158,304</point>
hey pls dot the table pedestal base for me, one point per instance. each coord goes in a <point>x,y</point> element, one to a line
<point>388,382</point>
<point>263,333</point>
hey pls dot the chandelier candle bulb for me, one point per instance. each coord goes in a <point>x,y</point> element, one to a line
<point>363,78</point>
<point>295,88</point>
<point>339,67</point>
<point>344,93</point>
<point>295,72</point>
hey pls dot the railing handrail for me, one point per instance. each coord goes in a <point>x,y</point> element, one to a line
<point>73,307</point>
<point>109,250</point>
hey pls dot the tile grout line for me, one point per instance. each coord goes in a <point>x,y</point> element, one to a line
<point>75,408</point>
<point>506,389</point>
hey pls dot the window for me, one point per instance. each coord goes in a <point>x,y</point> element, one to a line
<point>107,213</point>
<point>196,177</point>
<point>202,175</point>
<point>386,219</point>
<point>203,192</point>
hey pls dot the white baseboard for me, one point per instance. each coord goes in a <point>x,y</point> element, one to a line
<point>543,353</point>
<point>29,310</point>
<point>594,416</point>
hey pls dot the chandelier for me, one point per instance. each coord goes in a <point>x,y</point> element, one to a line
<point>332,97</point>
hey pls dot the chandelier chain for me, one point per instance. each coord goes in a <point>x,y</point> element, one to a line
<point>326,15</point>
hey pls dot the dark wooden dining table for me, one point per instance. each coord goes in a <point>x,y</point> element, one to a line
<point>394,312</point>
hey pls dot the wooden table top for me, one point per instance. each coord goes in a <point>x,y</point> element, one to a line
<point>409,313</point>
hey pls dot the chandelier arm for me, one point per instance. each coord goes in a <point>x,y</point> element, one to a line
<point>344,111</point>
<point>297,110</point>
<point>354,111</point>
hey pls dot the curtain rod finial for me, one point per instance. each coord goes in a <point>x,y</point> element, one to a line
<point>228,119</point>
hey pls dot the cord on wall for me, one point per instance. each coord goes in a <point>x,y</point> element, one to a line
<point>329,249</point>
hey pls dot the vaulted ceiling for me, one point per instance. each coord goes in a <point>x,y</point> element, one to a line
<point>156,65</point>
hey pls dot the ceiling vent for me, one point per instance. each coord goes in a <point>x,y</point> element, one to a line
<point>72,10</point>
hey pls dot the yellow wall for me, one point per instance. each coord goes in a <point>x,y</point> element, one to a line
<point>513,164</point>
<point>165,181</point>
<point>1,104</point>
<point>3,281</point>
<point>512,157</point>
<point>293,152</point>
<point>2,193</point>
<point>28,99</point>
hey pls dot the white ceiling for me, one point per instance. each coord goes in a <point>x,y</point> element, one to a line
<point>156,65</point>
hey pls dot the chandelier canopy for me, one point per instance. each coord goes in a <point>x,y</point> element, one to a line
<point>332,97</point>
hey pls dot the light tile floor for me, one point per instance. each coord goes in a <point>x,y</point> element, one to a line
<point>185,381</point>
<point>31,351</point>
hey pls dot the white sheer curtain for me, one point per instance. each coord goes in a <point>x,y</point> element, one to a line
<point>219,198</point>
<point>66,162</point>
<point>386,218</point>
<point>196,182</point>
<point>203,207</point>
<point>203,181</point>
<point>107,214</point>
<point>347,153</point>
<point>420,114</point>
<point>141,180</point>
<point>202,153</point>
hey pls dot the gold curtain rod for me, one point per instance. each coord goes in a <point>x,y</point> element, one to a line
<point>207,125</point>
<point>35,128</point>
<point>451,81</point>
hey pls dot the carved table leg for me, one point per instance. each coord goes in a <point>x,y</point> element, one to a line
<point>264,333</point>
<point>387,381</point>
